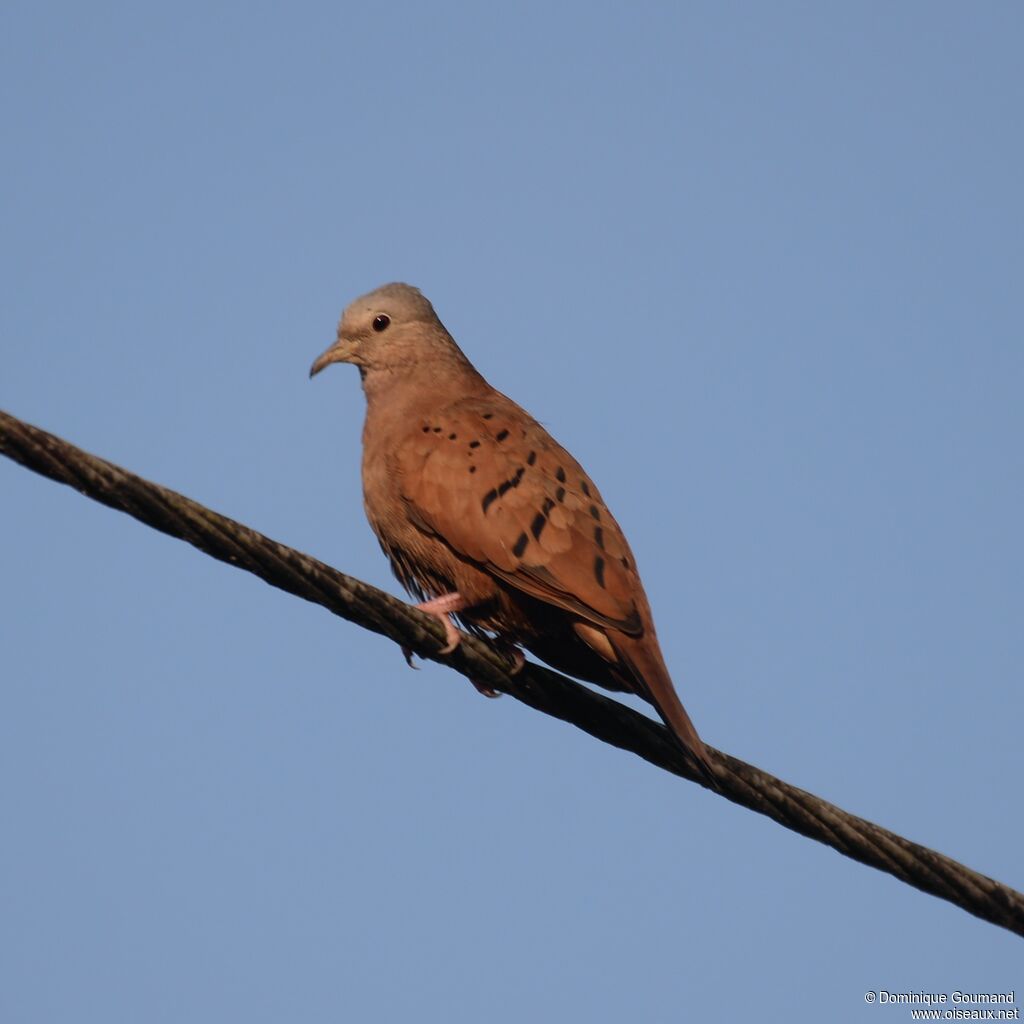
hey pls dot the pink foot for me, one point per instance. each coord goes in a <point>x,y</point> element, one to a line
<point>518,661</point>
<point>441,608</point>
<point>513,653</point>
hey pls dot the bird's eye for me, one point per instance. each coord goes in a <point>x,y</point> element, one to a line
<point>381,321</point>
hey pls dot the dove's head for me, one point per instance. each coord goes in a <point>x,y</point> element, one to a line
<point>393,330</point>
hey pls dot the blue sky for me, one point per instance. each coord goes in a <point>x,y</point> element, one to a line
<point>759,266</point>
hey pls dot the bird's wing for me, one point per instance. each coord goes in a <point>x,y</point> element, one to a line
<point>490,482</point>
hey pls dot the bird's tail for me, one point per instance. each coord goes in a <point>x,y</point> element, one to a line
<point>644,664</point>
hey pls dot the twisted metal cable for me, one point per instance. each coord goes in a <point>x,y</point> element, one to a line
<point>536,686</point>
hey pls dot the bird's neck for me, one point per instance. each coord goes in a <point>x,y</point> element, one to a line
<point>398,395</point>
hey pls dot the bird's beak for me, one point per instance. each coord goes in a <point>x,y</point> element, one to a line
<point>339,352</point>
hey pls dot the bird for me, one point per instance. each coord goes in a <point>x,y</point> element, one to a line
<point>483,515</point>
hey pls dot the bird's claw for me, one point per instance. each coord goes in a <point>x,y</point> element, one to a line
<point>454,638</point>
<point>518,661</point>
<point>513,653</point>
<point>484,689</point>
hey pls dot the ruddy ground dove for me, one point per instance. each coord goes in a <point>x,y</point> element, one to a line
<point>485,516</point>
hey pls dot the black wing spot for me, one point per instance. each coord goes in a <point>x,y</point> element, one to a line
<point>560,494</point>
<point>520,545</point>
<point>501,435</point>
<point>488,415</point>
<point>595,513</point>
<point>585,488</point>
<point>625,563</point>
<point>474,444</point>
<point>451,437</point>
<point>531,458</point>
<point>472,469</point>
<point>560,475</point>
<point>540,520</point>
<point>599,536</point>
<point>548,506</point>
<point>599,571</point>
<point>491,495</point>
<point>437,430</point>
<point>512,481</point>
<point>426,429</point>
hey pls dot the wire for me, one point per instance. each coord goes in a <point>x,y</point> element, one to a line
<point>536,686</point>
